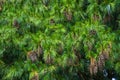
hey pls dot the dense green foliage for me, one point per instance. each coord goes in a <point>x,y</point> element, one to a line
<point>59,39</point>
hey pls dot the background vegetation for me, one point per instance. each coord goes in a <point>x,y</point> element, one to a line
<point>59,39</point>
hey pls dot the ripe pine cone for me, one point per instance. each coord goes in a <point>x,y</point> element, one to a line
<point>93,66</point>
<point>92,32</point>
<point>101,62</point>
<point>49,60</point>
<point>39,51</point>
<point>32,55</point>
<point>16,24</point>
<point>68,15</point>
<point>105,54</point>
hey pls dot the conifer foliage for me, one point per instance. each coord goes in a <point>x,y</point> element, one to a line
<point>59,39</point>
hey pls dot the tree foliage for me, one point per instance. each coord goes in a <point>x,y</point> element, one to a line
<point>59,39</point>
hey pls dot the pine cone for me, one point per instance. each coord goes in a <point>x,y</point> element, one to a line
<point>32,55</point>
